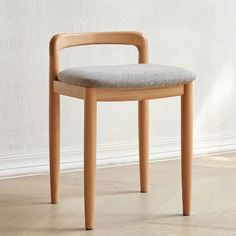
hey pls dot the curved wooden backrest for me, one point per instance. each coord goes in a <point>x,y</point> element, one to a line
<point>61,41</point>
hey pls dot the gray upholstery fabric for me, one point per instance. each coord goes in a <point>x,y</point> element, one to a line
<point>127,76</point>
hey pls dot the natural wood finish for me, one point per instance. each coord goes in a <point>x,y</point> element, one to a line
<point>89,156</point>
<point>69,90</point>
<point>104,94</point>
<point>121,209</point>
<point>143,123</point>
<point>54,131</point>
<point>186,147</point>
<point>91,96</point>
<point>60,41</point>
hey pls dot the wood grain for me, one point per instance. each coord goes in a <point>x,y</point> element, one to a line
<point>143,124</point>
<point>54,131</point>
<point>91,96</point>
<point>121,210</point>
<point>186,147</point>
<point>89,156</point>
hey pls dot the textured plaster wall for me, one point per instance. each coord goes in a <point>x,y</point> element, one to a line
<point>199,35</point>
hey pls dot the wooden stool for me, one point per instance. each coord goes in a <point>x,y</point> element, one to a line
<point>138,82</point>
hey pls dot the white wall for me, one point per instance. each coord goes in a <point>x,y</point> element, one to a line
<point>199,35</point>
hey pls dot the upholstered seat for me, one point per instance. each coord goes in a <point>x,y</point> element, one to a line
<point>127,76</point>
<point>137,82</point>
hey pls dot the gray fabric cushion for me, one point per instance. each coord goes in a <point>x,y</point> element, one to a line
<point>127,76</point>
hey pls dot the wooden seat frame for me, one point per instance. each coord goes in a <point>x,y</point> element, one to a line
<point>91,96</point>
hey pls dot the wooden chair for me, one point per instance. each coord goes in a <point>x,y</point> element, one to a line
<point>92,94</point>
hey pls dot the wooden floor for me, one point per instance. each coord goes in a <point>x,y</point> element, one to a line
<point>121,209</point>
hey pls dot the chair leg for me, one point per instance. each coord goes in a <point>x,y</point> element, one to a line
<point>54,145</point>
<point>143,144</point>
<point>89,156</point>
<point>186,147</point>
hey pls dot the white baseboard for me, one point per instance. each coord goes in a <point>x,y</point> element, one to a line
<point>115,154</point>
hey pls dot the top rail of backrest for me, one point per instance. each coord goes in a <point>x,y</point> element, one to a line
<point>60,41</point>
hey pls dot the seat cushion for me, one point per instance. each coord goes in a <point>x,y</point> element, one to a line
<point>127,76</point>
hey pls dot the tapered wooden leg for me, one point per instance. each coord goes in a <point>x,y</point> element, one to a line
<point>186,147</point>
<point>54,145</point>
<point>143,144</point>
<point>89,156</point>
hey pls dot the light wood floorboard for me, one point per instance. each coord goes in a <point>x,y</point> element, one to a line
<point>121,208</point>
